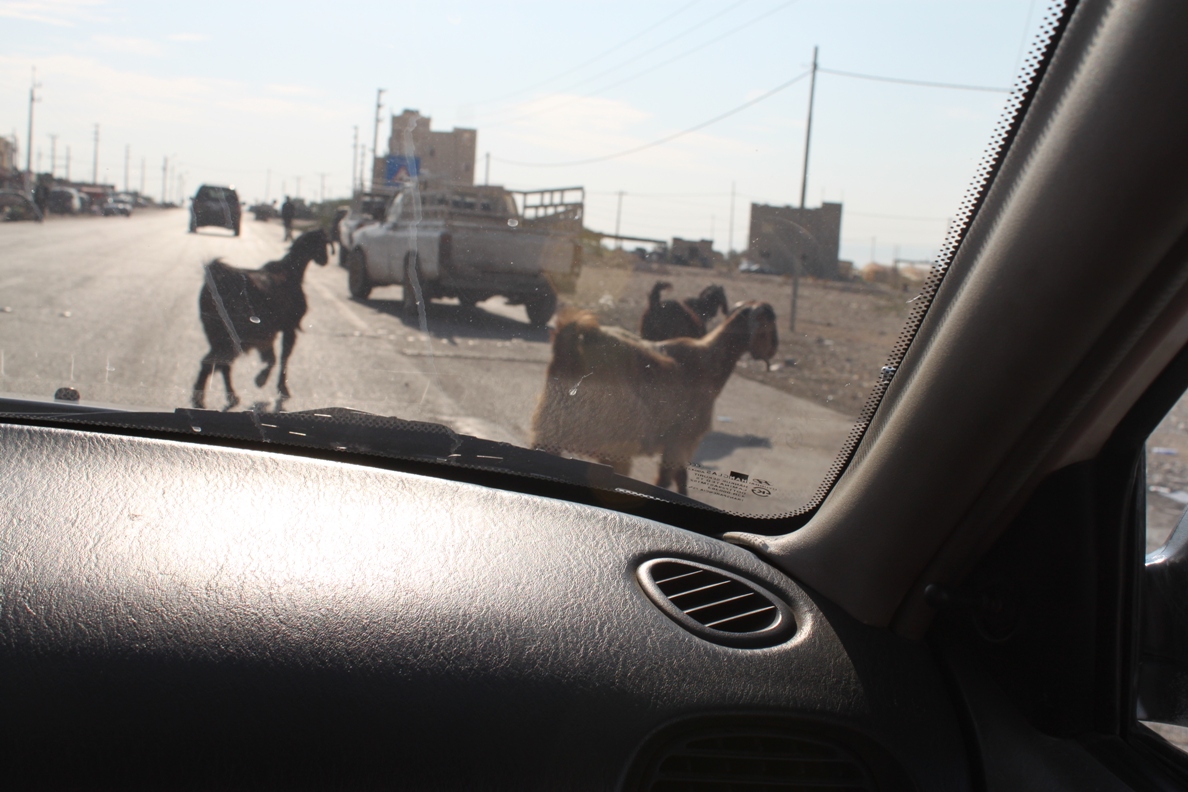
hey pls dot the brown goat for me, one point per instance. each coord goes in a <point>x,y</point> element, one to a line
<point>613,396</point>
<point>664,319</point>
<point>243,310</point>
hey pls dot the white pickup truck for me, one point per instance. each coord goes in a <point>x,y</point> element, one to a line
<point>473,243</point>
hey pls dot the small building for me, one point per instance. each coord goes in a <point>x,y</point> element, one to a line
<point>690,253</point>
<point>414,149</point>
<point>782,235</point>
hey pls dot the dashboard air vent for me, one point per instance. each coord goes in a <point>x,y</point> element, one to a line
<point>716,605</point>
<point>743,758</point>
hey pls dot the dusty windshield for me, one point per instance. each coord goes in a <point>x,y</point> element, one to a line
<point>678,239</point>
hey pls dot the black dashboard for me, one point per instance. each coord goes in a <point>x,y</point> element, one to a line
<point>185,615</point>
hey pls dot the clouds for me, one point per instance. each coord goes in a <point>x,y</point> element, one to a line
<point>60,13</point>
<point>188,37</point>
<point>128,46</point>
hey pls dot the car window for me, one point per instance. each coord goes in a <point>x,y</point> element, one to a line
<point>684,242</point>
<point>1164,659</point>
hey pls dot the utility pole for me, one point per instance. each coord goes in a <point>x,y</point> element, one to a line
<point>354,162</point>
<point>730,232</point>
<point>142,163</point>
<point>95,159</point>
<point>322,188</point>
<point>127,159</point>
<point>267,184</point>
<point>808,129</point>
<point>618,216</point>
<point>33,86</point>
<point>164,178</point>
<point>53,155</point>
<point>68,163</point>
<point>487,171</point>
<point>298,193</point>
<point>379,95</point>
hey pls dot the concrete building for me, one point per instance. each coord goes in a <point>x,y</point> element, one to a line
<point>441,158</point>
<point>781,235</point>
<point>8,151</point>
<point>691,253</point>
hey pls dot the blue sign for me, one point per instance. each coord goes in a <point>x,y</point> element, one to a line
<point>400,168</point>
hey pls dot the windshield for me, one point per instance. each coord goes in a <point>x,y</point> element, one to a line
<point>679,240</point>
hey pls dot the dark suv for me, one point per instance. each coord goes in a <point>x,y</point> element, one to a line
<point>215,206</point>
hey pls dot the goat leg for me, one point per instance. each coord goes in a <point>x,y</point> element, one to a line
<point>268,356</point>
<point>288,340</point>
<point>204,372</point>
<point>232,399</point>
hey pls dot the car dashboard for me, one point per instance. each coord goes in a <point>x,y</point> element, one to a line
<point>180,614</point>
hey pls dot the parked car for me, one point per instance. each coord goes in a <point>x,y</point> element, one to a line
<point>264,211</point>
<point>215,206</point>
<point>16,206</point>
<point>117,207</point>
<point>67,200</point>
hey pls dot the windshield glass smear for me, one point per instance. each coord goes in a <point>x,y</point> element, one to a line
<point>678,240</point>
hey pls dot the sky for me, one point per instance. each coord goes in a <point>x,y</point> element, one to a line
<point>266,96</point>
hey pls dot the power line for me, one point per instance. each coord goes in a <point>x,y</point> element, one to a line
<point>643,54</point>
<point>897,217</point>
<point>922,83</point>
<point>647,70</point>
<point>596,58</point>
<point>667,138</point>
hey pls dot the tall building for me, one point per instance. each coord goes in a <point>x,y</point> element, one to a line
<point>781,235</point>
<point>414,149</point>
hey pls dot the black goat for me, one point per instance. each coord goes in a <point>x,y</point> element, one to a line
<point>243,310</point>
<point>666,319</point>
<point>707,304</point>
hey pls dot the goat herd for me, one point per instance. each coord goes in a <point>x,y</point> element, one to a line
<point>609,394</point>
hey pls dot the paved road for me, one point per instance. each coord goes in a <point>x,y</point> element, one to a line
<point>109,306</point>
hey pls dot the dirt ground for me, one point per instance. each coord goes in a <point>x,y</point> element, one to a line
<point>844,330</point>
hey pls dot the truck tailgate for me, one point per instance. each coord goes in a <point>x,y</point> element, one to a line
<point>510,250</point>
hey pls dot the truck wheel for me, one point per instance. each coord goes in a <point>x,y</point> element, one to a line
<point>410,295</point>
<point>357,280</point>
<point>541,307</point>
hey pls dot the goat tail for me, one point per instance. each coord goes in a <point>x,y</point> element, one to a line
<point>654,297</point>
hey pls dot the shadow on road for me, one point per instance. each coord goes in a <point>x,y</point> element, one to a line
<point>719,445</point>
<point>456,321</point>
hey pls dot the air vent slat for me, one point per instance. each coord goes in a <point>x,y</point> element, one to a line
<point>717,605</point>
<point>730,619</point>
<point>700,589</point>
<point>732,757</point>
<point>723,602</point>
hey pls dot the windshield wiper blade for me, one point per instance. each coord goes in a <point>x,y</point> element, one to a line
<point>351,431</point>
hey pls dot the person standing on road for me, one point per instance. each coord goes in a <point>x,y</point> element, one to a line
<point>287,212</point>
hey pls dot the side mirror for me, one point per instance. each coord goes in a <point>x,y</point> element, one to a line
<point>1163,661</point>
